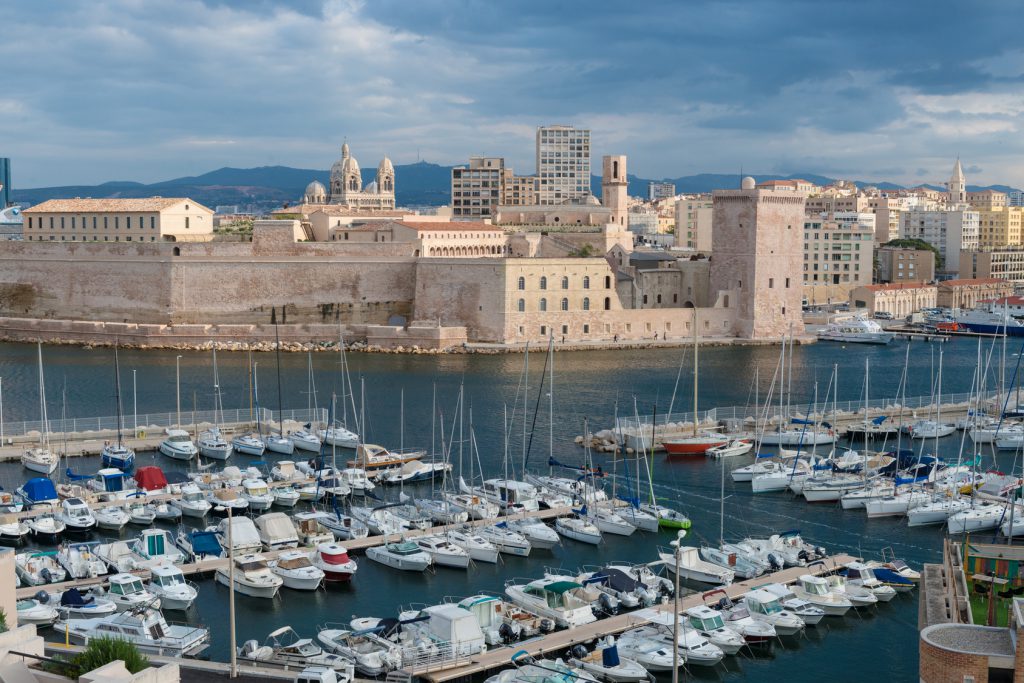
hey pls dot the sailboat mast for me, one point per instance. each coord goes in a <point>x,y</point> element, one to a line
<point>696,345</point>
<point>44,440</point>
<point>280,409</point>
<point>551,405</point>
<point>117,392</point>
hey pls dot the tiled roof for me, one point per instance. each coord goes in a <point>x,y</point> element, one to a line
<point>109,205</point>
<point>446,226</point>
<point>897,285</point>
<point>977,281</point>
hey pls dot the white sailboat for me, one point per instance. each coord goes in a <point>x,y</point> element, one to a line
<point>211,444</point>
<point>40,458</point>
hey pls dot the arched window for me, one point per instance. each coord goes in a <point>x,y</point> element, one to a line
<point>586,282</point>
<point>522,282</point>
<point>565,282</point>
<point>586,303</point>
<point>607,303</point>
<point>543,304</point>
<point>565,304</point>
<point>522,305</point>
<point>543,282</point>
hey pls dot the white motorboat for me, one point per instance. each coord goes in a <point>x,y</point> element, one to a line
<point>120,556</point>
<point>479,549</point>
<point>305,440</point>
<point>81,560</point>
<point>192,502</point>
<point>357,480</point>
<point>404,555</point>
<point>127,592</point>
<point>478,507</point>
<point>695,569</point>
<point>505,540</point>
<point>443,552</point>
<point>651,654</point>
<point>817,591</point>
<point>309,529</point>
<point>335,562</point>
<point>13,531</point>
<point>859,574</point>
<point>285,496</point>
<point>222,499</point>
<point>737,618</point>
<point>340,437</point>
<point>447,625</point>
<point>113,517</point>
<point>809,613</point>
<point>732,448</point>
<point>709,623</point>
<point>297,571</point>
<point>245,537</point>
<point>936,511</point>
<point>527,670</point>
<point>855,329</point>
<point>76,516</point>
<point>45,529</point>
<point>168,583</point>
<point>32,611</point>
<point>157,545</point>
<point>37,568</point>
<point>508,494</point>
<point>858,595</point>
<point>276,443</point>
<point>606,664</point>
<point>539,534</point>
<point>276,531</point>
<point>501,621</point>
<point>766,606</point>
<point>284,648</point>
<point>555,599</point>
<point>178,445</point>
<point>249,444</point>
<point>929,429</point>
<point>214,446</point>
<point>40,460</point>
<point>733,561</point>
<point>257,494</point>
<point>71,604</point>
<point>373,656</point>
<point>251,577</point>
<point>694,648</point>
<point>978,518</point>
<point>578,529</point>
<point>146,628</point>
<point>140,512</point>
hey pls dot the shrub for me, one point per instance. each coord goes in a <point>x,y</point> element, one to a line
<point>102,651</point>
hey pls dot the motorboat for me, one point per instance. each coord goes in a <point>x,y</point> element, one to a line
<point>31,611</point>
<point>199,544</point>
<point>38,492</point>
<point>503,622</point>
<point>478,507</point>
<point>112,517</point>
<point>305,440</point>
<point>817,591</point>
<point>178,445</point>
<point>443,552</point>
<point>71,604</point>
<point>809,613</point>
<point>157,545</point>
<point>936,511</point>
<point>373,656</point>
<point>790,546</point>
<point>37,568</point>
<point>120,556</point>
<point>251,576</point>
<point>539,534</point>
<point>285,496</point>
<point>357,480</point>
<point>505,540</point>
<point>81,560</point>
<point>297,571</point>
<point>111,482</point>
<point>929,429</point>
<point>651,654</point>
<point>151,479</point>
<point>76,516</point>
<point>333,560</point>
<point>249,444</point>
<point>509,495</point>
<point>13,531</point>
<point>222,499</point>
<point>245,537</point>
<point>276,531</point>
<point>45,529</point>
<point>192,502</point>
<point>555,599</point>
<point>450,626</point>
<point>602,602</point>
<point>606,664</point>
<point>140,512</point>
<point>41,460</point>
<point>738,564</point>
<point>144,627</point>
<point>731,448</point>
<point>626,590</point>
<point>9,502</point>
<point>693,568</point>
<point>765,606</point>
<point>737,618</point>
<point>214,446</point>
<point>413,471</point>
<point>372,457</point>
<point>284,470</point>
<point>578,528</point>
<point>644,575</point>
<point>257,494</point>
<point>694,648</point>
<point>441,511</point>
<point>693,445</point>
<point>709,624</point>
<point>859,574</point>
<point>339,436</point>
<point>479,548</point>
<point>667,517</point>
<point>284,648</point>
<point>858,595</point>
<point>404,555</point>
<point>310,530</point>
<point>978,518</point>
<point>167,582</point>
<point>528,669</point>
<point>127,592</point>
<point>855,329</point>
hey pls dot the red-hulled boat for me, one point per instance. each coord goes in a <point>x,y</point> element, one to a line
<point>333,560</point>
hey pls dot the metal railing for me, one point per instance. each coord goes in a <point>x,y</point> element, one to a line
<point>436,657</point>
<point>146,422</point>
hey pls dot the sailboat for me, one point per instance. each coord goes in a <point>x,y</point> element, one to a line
<point>251,444</point>
<point>211,444</point>
<point>337,433</point>
<point>668,518</point>
<point>118,455</point>
<point>279,443</point>
<point>40,458</point>
<point>695,444</point>
<point>306,439</point>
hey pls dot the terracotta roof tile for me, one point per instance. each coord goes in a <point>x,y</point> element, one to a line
<point>449,226</point>
<point>977,281</point>
<point>896,285</point>
<point>109,205</point>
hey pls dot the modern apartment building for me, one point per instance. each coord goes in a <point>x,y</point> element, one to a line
<point>899,265</point>
<point>1005,263</point>
<point>950,231</point>
<point>477,190</point>
<point>1000,226</point>
<point>694,217</point>
<point>656,190</point>
<point>520,190</point>
<point>837,256</point>
<point>563,164</point>
<point>150,219</point>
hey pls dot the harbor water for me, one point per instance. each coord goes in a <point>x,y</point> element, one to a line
<point>589,387</point>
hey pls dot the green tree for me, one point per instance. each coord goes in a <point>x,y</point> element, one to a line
<point>918,244</point>
<point>585,251</point>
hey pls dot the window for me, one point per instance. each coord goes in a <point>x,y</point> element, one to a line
<point>543,305</point>
<point>543,282</point>
<point>186,219</point>
<point>565,283</point>
<point>522,282</point>
<point>645,298</point>
<point>586,329</point>
<point>543,330</point>
<point>586,303</point>
<point>607,303</point>
<point>658,298</point>
<point>771,283</point>
<point>607,282</point>
<point>787,283</point>
<point>565,304</point>
<point>128,222</point>
<point>586,282</point>
<point>565,330</point>
<point>522,305</point>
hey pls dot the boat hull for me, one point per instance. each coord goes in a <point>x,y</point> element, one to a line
<point>267,592</point>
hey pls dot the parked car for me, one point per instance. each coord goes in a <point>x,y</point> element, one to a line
<point>883,315</point>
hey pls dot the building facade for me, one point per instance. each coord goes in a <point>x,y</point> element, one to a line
<point>950,231</point>
<point>664,190</point>
<point>643,220</point>
<point>520,190</point>
<point>1005,264</point>
<point>153,219</point>
<point>1000,227</point>
<point>956,188</point>
<point>346,185</point>
<point>837,256</point>
<point>987,200</point>
<point>563,164</point>
<point>694,221</point>
<point>900,265</point>
<point>966,293</point>
<point>615,188</point>
<point>477,190</point>
<point>900,300</point>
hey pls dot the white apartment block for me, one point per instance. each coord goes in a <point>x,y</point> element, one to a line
<point>656,190</point>
<point>838,252</point>
<point>693,223</point>
<point>563,164</point>
<point>950,231</point>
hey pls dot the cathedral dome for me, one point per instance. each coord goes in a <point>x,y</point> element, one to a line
<point>371,187</point>
<point>385,166</point>
<point>350,164</point>
<point>315,193</point>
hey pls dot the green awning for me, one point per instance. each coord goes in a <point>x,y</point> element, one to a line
<point>562,586</point>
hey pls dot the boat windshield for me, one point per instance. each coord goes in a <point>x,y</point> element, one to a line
<point>815,588</point>
<point>252,565</point>
<point>170,580</point>
<point>707,623</point>
<point>179,438</point>
<point>404,548</point>
<point>770,607</point>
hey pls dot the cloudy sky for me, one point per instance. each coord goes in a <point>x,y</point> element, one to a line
<point>154,89</point>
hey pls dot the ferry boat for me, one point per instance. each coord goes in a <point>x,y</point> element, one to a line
<point>990,322</point>
<point>856,330</point>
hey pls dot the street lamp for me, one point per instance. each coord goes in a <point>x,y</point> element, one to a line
<point>135,407</point>
<point>177,387</point>
<point>675,608</point>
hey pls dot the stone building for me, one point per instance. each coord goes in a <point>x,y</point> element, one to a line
<point>757,259</point>
<point>987,200</point>
<point>899,299</point>
<point>151,219</point>
<point>1006,264</point>
<point>967,293</point>
<point>956,188</point>
<point>346,185</point>
<point>614,188</point>
<point>898,264</point>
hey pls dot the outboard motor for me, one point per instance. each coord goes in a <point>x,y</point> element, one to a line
<point>646,599</point>
<point>508,633</point>
<point>248,649</point>
<point>803,555</point>
<point>774,563</point>
<point>579,651</point>
<point>547,625</point>
<point>47,576</point>
<point>607,604</point>
<point>42,596</point>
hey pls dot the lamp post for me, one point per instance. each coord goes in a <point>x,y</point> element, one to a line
<point>231,595</point>
<point>675,609</point>
<point>177,387</point>
<point>135,407</point>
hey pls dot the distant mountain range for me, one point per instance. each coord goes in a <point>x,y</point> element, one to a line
<point>419,184</point>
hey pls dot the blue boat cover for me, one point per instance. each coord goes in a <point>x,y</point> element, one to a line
<point>205,543</point>
<point>40,488</point>
<point>880,419</point>
<point>76,477</point>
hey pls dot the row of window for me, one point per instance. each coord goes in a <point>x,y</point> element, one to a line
<point>542,305</point>
<point>565,282</point>
<point>94,238</point>
<point>38,222</point>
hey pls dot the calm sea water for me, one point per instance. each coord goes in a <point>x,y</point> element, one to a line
<point>587,386</point>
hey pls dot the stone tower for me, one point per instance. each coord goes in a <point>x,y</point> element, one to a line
<point>757,259</point>
<point>614,187</point>
<point>957,185</point>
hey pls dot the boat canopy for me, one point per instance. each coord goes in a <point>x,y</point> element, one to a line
<point>243,532</point>
<point>880,419</point>
<point>76,477</point>
<point>615,579</point>
<point>205,543</point>
<point>73,598</point>
<point>150,478</point>
<point>561,586</point>
<point>275,527</point>
<point>39,488</point>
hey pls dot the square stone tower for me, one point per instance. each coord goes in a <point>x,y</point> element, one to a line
<point>615,187</point>
<point>757,259</point>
